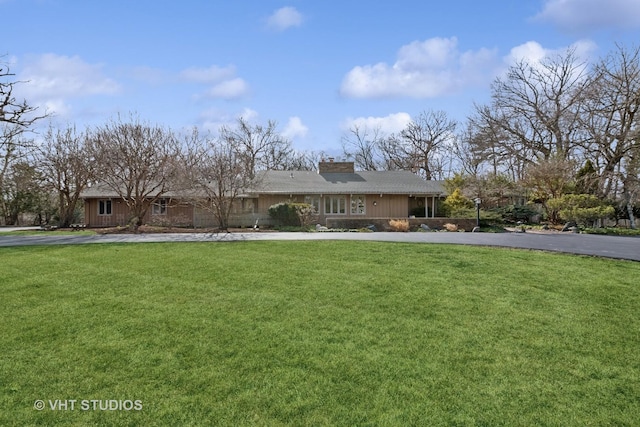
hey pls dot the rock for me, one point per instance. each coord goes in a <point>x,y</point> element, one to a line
<point>476,229</point>
<point>569,225</point>
<point>371,227</point>
<point>321,227</point>
<point>545,227</point>
<point>574,230</point>
<point>425,227</point>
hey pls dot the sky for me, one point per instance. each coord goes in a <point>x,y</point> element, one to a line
<point>316,68</point>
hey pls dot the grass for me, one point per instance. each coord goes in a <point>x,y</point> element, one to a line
<point>41,232</point>
<point>318,333</point>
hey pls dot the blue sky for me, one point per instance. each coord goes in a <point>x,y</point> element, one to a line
<point>315,67</point>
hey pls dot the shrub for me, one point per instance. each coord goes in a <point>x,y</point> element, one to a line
<point>399,225</point>
<point>584,209</point>
<point>450,227</point>
<point>515,213</point>
<point>292,214</point>
<point>456,202</point>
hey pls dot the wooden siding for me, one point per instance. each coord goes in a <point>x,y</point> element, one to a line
<point>249,210</point>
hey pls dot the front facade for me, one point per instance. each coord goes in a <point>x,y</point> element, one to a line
<point>336,191</point>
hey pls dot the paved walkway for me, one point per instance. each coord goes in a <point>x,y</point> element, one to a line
<point>583,244</point>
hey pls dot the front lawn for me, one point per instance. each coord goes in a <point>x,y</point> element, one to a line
<point>316,333</point>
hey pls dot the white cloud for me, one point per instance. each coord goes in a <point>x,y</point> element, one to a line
<point>533,52</point>
<point>51,81</point>
<point>229,89</point>
<point>580,15</point>
<point>284,18</point>
<point>53,77</point>
<point>423,69</point>
<point>223,81</point>
<point>393,123</point>
<point>295,128</point>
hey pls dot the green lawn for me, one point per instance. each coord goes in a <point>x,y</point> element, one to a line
<point>317,333</point>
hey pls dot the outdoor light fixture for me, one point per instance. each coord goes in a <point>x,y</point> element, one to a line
<point>477,202</point>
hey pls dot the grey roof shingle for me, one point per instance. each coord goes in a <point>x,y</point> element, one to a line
<point>304,182</point>
<point>364,182</point>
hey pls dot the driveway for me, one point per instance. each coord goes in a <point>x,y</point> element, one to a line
<point>582,244</point>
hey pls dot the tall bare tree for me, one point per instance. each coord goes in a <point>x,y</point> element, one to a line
<point>612,122</point>
<point>259,147</point>
<point>137,160</point>
<point>67,166</point>
<point>535,110</point>
<point>423,146</point>
<point>215,175</point>
<point>16,118</point>
<point>363,146</point>
<point>14,111</point>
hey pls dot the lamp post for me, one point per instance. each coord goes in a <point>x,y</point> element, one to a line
<point>477,202</point>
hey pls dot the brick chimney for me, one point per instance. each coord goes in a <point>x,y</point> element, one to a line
<point>335,167</point>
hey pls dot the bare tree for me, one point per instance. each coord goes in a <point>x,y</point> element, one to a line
<point>217,176</point>
<point>535,111</point>
<point>612,122</point>
<point>363,146</point>
<point>14,111</point>
<point>16,117</point>
<point>137,161</point>
<point>67,166</point>
<point>258,147</point>
<point>422,146</point>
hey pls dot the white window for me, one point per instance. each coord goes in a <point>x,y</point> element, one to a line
<point>159,207</point>
<point>358,204</point>
<point>313,201</point>
<point>335,205</point>
<point>104,207</point>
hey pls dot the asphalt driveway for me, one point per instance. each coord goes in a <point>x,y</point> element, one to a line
<point>582,244</point>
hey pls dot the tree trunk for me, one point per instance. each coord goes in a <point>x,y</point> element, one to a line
<point>632,219</point>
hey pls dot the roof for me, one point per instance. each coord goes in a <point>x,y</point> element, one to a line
<point>364,182</point>
<point>101,190</point>
<point>304,182</point>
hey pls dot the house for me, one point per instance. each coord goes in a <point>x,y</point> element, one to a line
<point>341,196</point>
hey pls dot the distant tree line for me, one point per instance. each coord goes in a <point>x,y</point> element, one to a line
<point>551,129</point>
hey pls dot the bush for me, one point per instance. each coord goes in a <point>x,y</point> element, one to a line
<point>399,225</point>
<point>456,202</point>
<point>584,209</point>
<point>292,214</point>
<point>612,231</point>
<point>515,213</point>
<point>450,227</point>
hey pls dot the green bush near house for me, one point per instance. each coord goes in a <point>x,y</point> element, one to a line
<point>291,213</point>
<point>455,203</point>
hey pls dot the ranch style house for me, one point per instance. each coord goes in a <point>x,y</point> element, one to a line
<point>341,196</point>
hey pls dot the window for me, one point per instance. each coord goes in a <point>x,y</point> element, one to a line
<point>358,205</point>
<point>335,205</point>
<point>104,207</point>
<point>313,201</point>
<point>243,206</point>
<point>159,207</point>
